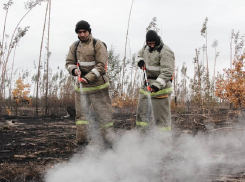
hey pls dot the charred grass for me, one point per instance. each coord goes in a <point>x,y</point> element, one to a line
<point>29,147</point>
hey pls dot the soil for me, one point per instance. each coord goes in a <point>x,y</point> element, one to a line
<point>29,147</point>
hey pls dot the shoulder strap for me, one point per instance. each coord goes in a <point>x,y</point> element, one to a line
<point>76,45</point>
<point>105,45</point>
<point>160,48</point>
<point>94,43</point>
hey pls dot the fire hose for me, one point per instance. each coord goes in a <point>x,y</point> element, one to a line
<point>78,76</point>
<point>146,80</point>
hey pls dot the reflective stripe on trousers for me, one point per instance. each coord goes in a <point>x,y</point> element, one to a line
<point>81,122</point>
<point>145,124</point>
<point>107,125</point>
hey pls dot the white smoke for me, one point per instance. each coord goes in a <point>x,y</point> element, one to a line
<point>156,158</point>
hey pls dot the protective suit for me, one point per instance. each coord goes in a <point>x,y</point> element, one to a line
<point>159,64</point>
<point>92,59</point>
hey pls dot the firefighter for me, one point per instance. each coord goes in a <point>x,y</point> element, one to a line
<point>87,59</point>
<point>158,61</point>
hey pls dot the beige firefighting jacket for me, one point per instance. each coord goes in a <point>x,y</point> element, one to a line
<point>159,69</point>
<point>92,62</point>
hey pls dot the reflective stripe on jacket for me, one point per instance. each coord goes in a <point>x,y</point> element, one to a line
<point>159,93</point>
<point>90,89</point>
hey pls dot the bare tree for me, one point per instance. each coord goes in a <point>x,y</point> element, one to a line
<point>183,85</point>
<point>47,69</point>
<point>125,50</point>
<point>6,8</point>
<point>204,33</point>
<point>153,25</point>
<point>39,63</point>
<point>216,55</point>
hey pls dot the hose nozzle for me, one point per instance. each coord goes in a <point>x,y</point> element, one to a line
<point>78,76</point>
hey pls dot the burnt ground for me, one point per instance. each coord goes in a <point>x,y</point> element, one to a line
<point>29,147</point>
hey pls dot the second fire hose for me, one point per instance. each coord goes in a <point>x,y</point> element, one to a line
<point>146,80</point>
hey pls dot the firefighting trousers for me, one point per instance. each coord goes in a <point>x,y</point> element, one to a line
<point>100,104</point>
<point>154,112</point>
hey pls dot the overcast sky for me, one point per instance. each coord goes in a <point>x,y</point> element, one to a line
<point>179,22</point>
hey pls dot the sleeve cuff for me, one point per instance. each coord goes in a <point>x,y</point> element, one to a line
<point>161,81</point>
<point>73,72</point>
<point>86,79</point>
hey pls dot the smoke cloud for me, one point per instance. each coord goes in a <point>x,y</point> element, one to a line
<point>157,157</point>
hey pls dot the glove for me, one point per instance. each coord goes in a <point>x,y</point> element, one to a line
<point>154,88</point>
<point>141,64</point>
<point>76,72</point>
